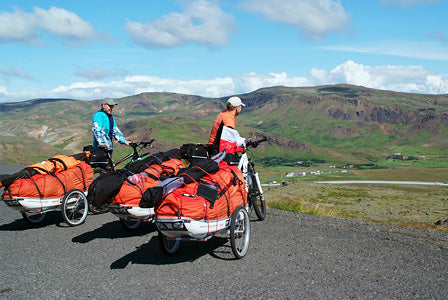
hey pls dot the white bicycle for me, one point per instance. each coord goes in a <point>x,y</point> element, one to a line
<point>255,196</point>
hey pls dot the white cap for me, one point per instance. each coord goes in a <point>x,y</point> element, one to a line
<point>109,101</point>
<point>235,101</point>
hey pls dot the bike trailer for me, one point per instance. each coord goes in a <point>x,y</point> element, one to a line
<point>125,204</point>
<point>58,183</point>
<point>51,182</point>
<point>202,208</point>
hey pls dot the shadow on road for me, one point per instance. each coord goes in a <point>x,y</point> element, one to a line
<point>52,218</point>
<point>151,253</point>
<point>113,230</point>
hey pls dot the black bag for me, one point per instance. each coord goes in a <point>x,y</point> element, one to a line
<point>232,159</point>
<point>98,157</point>
<point>153,195</point>
<point>106,186</point>
<point>194,151</point>
<point>208,191</point>
<point>197,170</point>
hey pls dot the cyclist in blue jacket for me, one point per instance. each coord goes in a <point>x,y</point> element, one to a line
<point>104,127</point>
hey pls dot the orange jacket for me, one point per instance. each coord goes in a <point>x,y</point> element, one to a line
<point>225,118</point>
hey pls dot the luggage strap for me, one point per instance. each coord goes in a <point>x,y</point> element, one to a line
<point>35,184</point>
<point>54,160</point>
<point>83,178</point>
<point>60,181</point>
<point>179,214</point>
<point>39,169</point>
<point>233,182</point>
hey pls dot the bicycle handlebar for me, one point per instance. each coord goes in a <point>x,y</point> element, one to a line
<point>142,143</point>
<point>254,144</point>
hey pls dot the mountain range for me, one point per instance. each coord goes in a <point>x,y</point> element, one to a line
<point>340,123</point>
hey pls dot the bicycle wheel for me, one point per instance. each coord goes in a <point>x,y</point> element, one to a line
<point>34,218</point>
<point>74,207</point>
<point>131,224</point>
<point>239,232</point>
<point>98,210</point>
<point>256,199</point>
<point>169,246</point>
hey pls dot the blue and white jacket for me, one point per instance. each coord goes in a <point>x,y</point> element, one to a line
<point>101,130</point>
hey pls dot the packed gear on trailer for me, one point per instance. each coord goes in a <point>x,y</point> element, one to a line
<point>197,169</point>
<point>58,183</point>
<point>215,204</point>
<point>134,186</point>
<point>104,188</point>
<point>212,197</point>
<point>50,178</point>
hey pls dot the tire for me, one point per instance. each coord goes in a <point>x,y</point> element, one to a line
<point>169,246</point>
<point>239,232</point>
<point>34,218</point>
<point>131,224</point>
<point>96,211</point>
<point>74,207</point>
<point>257,199</point>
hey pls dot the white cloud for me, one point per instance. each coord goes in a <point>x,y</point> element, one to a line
<point>252,81</point>
<point>407,3</point>
<point>421,50</point>
<point>20,26</point>
<point>441,37</point>
<point>316,18</point>
<point>412,79</point>
<point>97,73</point>
<point>202,22</point>
<point>63,23</point>
<point>17,26</point>
<point>15,72</point>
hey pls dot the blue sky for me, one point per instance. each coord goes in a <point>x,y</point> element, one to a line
<point>105,48</point>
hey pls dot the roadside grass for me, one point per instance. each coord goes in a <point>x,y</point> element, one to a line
<point>414,206</point>
<point>300,204</point>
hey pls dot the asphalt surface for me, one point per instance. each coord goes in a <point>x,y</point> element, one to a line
<point>291,256</point>
<point>385,182</point>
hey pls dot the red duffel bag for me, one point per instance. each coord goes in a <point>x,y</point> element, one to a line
<point>131,193</point>
<point>56,184</point>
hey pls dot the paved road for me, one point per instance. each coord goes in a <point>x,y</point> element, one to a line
<point>291,256</point>
<point>386,182</point>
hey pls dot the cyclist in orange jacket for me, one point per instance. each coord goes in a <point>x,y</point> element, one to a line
<point>225,118</point>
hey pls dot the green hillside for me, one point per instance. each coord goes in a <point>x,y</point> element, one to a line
<point>339,124</point>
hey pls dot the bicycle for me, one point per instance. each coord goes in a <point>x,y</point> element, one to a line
<point>255,197</point>
<point>109,165</point>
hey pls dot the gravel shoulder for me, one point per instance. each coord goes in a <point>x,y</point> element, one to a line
<point>291,256</point>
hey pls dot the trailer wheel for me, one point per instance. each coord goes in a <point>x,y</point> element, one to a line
<point>239,232</point>
<point>169,246</point>
<point>34,218</point>
<point>74,207</point>
<point>131,224</point>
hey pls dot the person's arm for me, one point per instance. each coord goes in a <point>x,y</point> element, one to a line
<point>118,135</point>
